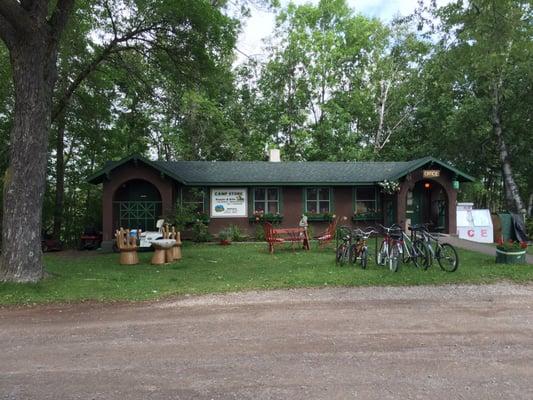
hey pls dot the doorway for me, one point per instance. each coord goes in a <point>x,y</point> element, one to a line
<point>136,205</point>
<point>427,203</point>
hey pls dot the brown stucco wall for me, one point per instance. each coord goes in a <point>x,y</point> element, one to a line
<point>445,180</point>
<point>125,173</point>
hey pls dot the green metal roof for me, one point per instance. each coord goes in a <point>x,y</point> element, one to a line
<point>223,173</point>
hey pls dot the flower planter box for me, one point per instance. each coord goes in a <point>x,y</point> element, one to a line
<point>510,257</point>
<point>319,218</point>
<point>367,217</point>
<point>276,219</point>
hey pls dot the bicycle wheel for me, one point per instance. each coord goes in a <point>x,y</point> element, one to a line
<point>381,254</point>
<point>394,258</point>
<point>342,255</point>
<point>364,258</point>
<point>407,254</point>
<point>353,254</point>
<point>421,255</point>
<point>447,257</point>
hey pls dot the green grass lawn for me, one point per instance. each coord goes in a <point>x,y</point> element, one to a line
<point>210,268</point>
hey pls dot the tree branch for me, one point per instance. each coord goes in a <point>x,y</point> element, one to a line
<point>7,33</point>
<point>115,31</point>
<point>109,49</point>
<point>13,13</point>
<point>59,17</point>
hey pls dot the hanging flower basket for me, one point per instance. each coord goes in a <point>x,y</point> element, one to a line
<point>389,187</point>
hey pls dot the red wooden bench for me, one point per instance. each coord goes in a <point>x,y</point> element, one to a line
<point>291,235</point>
<point>271,237</point>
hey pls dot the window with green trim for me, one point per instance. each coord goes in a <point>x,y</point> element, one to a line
<point>266,200</point>
<point>195,197</point>
<point>318,200</point>
<point>366,201</point>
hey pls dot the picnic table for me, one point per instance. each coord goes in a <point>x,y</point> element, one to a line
<point>290,235</point>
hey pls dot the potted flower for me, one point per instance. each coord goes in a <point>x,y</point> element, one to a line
<point>261,217</point>
<point>511,252</point>
<point>224,236</point>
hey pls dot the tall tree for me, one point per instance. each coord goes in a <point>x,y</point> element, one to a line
<point>31,30</point>
<point>185,36</point>
<point>486,47</point>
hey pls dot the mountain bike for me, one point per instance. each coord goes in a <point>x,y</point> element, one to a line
<point>344,245</point>
<point>415,249</point>
<point>390,249</point>
<point>444,253</point>
<point>359,249</point>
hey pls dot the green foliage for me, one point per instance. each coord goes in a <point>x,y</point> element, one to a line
<point>200,232</point>
<point>336,85</point>
<point>236,234</point>
<point>225,235</point>
<point>259,233</point>
<point>185,213</point>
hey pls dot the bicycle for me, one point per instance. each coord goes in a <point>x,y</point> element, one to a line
<point>359,249</point>
<point>390,249</point>
<point>445,253</point>
<point>415,249</point>
<point>344,245</point>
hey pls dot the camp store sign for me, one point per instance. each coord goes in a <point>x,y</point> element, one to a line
<point>226,203</point>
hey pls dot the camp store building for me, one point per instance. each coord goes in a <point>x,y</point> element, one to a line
<point>138,191</point>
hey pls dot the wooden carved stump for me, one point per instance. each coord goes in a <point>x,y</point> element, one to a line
<point>127,246</point>
<point>177,246</point>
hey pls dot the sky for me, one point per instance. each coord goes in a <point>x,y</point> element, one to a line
<point>261,24</point>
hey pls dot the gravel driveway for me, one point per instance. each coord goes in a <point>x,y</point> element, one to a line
<point>447,342</point>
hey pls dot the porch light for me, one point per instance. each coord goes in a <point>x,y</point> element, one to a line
<point>427,185</point>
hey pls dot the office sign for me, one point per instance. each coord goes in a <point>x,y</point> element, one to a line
<point>431,173</point>
<point>228,203</point>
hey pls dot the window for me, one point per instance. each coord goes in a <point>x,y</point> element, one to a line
<point>317,200</point>
<point>266,200</point>
<point>366,202</point>
<point>195,197</point>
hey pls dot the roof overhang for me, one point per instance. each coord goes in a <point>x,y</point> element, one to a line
<point>104,173</point>
<point>417,164</point>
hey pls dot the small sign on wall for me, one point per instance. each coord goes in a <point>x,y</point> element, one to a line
<point>431,173</point>
<point>229,203</point>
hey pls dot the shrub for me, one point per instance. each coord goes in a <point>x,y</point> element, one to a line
<point>259,233</point>
<point>236,234</point>
<point>200,232</point>
<point>224,235</point>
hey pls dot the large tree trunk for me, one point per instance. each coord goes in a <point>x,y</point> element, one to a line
<point>33,62</point>
<point>512,194</point>
<point>60,177</point>
<point>32,35</point>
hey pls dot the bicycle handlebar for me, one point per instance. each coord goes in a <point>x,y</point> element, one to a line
<point>394,227</point>
<point>365,234</point>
